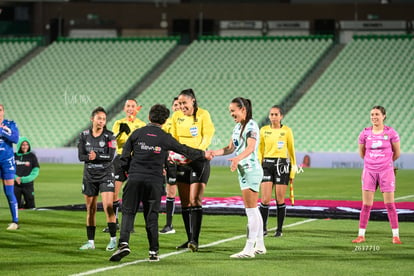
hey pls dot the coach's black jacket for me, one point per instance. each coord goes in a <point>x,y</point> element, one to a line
<point>147,148</point>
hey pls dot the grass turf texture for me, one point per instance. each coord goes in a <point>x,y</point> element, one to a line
<point>48,241</point>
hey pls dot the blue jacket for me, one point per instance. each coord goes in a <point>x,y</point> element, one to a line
<point>9,135</point>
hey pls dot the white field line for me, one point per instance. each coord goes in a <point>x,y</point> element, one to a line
<point>90,272</point>
<point>403,197</point>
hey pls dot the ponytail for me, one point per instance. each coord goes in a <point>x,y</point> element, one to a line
<point>247,104</point>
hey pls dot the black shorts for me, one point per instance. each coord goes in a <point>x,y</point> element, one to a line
<point>171,177</point>
<point>92,188</point>
<point>119,172</point>
<point>276,170</point>
<point>197,171</point>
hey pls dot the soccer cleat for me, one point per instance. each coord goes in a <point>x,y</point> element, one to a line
<point>13,226</point>
<point>243,255</point>
<point>260,251</point>
<point>264,232</point>
<point>122,251</point>
<point>167,230</point>
<point>182,246</point>
<point>193,246</point>
<point>87,246</point>
<point>360,239</point>
<point>278,234</point>
<point>396,240</point>
<point>111,245</point>
<point>153,256</point>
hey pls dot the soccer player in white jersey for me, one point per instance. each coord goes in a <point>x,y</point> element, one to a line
<point>244,142</point>
<point>379,146</point>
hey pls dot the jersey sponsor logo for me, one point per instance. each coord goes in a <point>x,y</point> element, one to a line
<point>376,144</point>
<point>22,163</point>
<point>194,131</point>
<point>280,144</point>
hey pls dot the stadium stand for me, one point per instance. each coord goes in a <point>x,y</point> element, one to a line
<point>264,69</point>
<point>13,49</point>
<point>52,96</point>
<point>370,70</point>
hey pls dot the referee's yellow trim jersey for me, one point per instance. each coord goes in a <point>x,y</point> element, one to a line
<point>167,125</point>
<point>121,139</point>
<point>196,134</point>
<point>277,142</point>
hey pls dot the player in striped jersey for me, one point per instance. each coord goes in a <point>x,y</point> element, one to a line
<point>276,146</point>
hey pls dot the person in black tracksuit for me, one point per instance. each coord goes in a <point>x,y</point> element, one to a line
<point>27,169</point>
<point>143,158</point>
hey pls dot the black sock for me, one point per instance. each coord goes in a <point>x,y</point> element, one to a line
<point>90,232</point>
<point>264,211</point>
<point>185,213</point>
<point>169,208</point>
<point>281,213</point>
<point>115,206</point>
<point>196,219</point>
<point>112,229</point>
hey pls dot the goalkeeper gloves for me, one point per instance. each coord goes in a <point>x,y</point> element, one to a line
<point>124,128</point>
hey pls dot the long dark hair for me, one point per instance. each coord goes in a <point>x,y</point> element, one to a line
<point>246,103</point>
<point>190,93</point>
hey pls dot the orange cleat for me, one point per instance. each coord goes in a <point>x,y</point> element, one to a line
<point>396,240</point>
<point>360,239</point>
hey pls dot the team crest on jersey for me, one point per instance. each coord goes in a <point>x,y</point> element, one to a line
<point>101,144</point>
<point>385,137</point>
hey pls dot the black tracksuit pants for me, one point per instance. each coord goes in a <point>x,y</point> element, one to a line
<point>147,189</point>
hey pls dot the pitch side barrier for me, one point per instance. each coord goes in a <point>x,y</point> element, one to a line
<point>69,155</point>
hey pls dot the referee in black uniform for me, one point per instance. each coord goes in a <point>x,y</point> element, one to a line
<point>143,158</point>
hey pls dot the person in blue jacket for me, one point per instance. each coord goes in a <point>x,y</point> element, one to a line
<point>9,135</point>
<point>27,169</point>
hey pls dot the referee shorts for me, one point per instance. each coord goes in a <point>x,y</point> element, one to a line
<point>276,170</point>
<point>197,171</point>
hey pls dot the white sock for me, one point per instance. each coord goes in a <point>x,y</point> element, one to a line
<point>113,238</point>
<point>254,220</point>
<point>361,232</point>
<point>259,238</point>
<point>395,232</point>
<point>92,242</point>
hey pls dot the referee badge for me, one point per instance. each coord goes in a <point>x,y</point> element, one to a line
<point>194,131</point>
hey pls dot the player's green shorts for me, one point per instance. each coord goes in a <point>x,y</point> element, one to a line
<point>251,179</point>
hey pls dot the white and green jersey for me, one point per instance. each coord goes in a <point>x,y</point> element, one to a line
<point>240,143</point>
